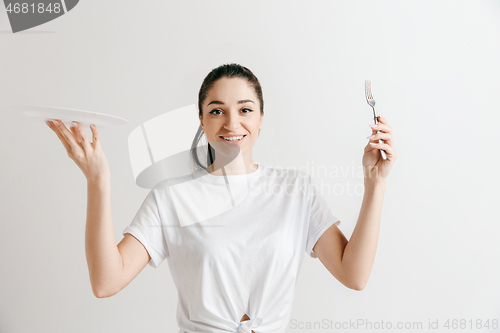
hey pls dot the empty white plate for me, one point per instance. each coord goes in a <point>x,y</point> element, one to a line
<point>85,118</point>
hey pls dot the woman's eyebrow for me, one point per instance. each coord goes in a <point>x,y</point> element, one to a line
<point>239,102</point>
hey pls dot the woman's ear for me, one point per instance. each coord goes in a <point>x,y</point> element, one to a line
<point>201,123</point>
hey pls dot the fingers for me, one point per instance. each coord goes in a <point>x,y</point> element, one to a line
<point>69,136</point>
<point>70,139</point>
<point>81,135</point>
<point>54,126</point>
<point>95,136</point>
<point>391,152</point>
<point>75,133</point>
<point>387,137</point>
<point>383,126</point>
<point>383,120</point>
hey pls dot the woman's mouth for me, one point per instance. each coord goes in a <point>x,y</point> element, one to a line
<point>233,139</point>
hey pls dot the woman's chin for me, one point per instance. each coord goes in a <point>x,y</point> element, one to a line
<point>226,150</point>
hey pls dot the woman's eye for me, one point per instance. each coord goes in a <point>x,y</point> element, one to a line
<point>217,110</point>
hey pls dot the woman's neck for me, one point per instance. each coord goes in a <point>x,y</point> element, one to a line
<point>238,166</point>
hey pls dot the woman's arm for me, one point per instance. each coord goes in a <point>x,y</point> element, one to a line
<point>359,253</point>
<point>103,257</point>
<point>351,262</point>
<point>111,266</point>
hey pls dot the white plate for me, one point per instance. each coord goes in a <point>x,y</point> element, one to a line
<point>85,118</point>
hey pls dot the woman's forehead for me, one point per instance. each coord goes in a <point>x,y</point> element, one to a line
<point>231,92</point>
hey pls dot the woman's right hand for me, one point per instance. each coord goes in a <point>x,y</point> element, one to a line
<point>87,155</point>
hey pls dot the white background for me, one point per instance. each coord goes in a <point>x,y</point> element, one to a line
<point>435,76</point>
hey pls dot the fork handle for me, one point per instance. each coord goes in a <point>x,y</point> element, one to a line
<point>382,152</point>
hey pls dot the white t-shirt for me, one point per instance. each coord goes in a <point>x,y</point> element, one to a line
<point>234,244</point>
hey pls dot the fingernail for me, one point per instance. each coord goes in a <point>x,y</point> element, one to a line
<point>373,125</point>
<point>371,136</point>
<point>56,122</point>
<point>48,123</point>
<point>73,124</point>
<point>93,126</point>
<point>380,116</point>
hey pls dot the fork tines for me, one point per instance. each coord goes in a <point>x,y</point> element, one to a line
<point>368,89</point>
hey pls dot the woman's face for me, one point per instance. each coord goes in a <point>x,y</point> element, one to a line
<point>231,109</point>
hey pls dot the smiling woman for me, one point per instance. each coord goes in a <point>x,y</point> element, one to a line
<point>231,110</point>
<point>235,231</point>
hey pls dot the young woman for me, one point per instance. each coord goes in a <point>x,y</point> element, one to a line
<point>233,232</point>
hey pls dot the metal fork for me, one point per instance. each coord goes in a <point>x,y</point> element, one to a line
<point>371,102</point>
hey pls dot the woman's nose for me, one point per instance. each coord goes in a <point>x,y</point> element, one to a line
<point>232,123</point>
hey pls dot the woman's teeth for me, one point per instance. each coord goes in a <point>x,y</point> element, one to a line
<point>232,138</point>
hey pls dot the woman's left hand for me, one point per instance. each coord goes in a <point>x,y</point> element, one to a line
<point>375,168</point>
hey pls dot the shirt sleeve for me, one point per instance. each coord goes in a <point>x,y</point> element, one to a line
<point>147,227</point>
<point>320,218</point>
